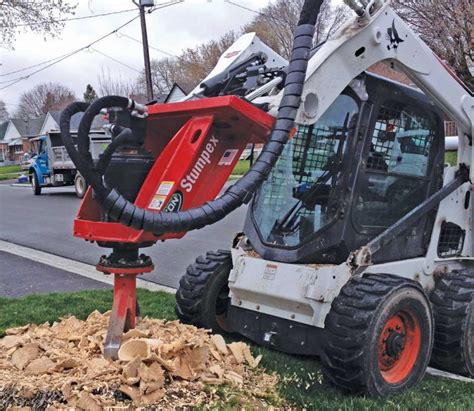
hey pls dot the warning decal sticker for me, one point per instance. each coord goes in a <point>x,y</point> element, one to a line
<point>165,188</point>
<point>228,157</point>
<point>270,271</point>
<point>157,202</point>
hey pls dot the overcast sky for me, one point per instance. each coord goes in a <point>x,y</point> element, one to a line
<point>170,29</point>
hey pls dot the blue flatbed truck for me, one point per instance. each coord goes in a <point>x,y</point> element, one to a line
<point>52,166</point>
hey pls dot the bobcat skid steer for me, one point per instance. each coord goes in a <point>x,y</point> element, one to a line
<point>358,244</point>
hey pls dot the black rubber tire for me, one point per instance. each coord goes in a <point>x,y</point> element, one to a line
<point>354,327</point>
<point>80,186</point>
<point>35,184</point>
<point>453,308</point>
<point>201,297</point>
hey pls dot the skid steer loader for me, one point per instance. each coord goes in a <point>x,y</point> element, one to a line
<point>358,244</point>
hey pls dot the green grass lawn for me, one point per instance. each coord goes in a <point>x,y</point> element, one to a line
<point>301,379</point>
<point>451,158</point>
<point>9,169</point>
<point>9,172</point>
<point>241,168</point>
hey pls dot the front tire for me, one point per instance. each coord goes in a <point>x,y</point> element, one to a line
<point>35,185</point>
<point>453,307</point>
<point>202,298</point>
<point>80,186</point>
<point>379,336</point>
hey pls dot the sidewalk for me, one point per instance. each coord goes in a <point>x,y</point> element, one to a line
<point>26,271</point>
<point>20,276</point>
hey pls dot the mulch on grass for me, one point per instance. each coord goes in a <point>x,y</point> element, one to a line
<point>167,365</point>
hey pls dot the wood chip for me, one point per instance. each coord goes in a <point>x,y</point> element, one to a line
<point>234,377</point>
<point>134,334</point>
<point>11,341</point>
<point>41,365</point>
<point>87,402</point>
<point>219,343</point>
<point>153,373</point>
<point>237,350</point>
<point>62,365</point>
<point>132,392</point>
<point>131,369</point>
<point>17,330</point>
<point>24,355</point>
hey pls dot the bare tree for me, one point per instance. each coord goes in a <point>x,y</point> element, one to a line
<point>109,85</point>
<point>43,98</point>
<point>447,27</point>
<point>164,73</point>
<point>278,21</point>
<point>38,16</point>
<point>4,116</point>
<point>190,67</point>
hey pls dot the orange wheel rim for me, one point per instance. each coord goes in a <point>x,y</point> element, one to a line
<point>399,346</point>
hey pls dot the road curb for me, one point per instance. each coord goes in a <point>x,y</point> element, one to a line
<point>443,374</point>
<point>75,267</point>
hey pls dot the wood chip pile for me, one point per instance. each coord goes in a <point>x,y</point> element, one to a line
<point>163,364</point>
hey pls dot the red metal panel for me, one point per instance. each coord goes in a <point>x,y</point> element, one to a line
<point>197,145</point>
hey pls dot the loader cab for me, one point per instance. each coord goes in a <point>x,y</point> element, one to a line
<point>344,179</point>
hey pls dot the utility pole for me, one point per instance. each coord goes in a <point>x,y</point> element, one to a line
<point>146,53</point>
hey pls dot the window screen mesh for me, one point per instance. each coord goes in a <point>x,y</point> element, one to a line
<point>451,240</point>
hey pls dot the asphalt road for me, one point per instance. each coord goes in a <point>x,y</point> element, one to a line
<point>45,223</point>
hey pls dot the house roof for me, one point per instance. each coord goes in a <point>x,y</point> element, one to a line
<point>30,127</point>
<point>3,129</point>
<point>175,94</point>
<point>16,142</point>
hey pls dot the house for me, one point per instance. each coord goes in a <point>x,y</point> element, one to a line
<point>17,136</point>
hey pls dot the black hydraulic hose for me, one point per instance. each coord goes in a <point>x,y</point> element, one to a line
<point>86,169</point>
<point>125,138</point>
<point>125,212</point>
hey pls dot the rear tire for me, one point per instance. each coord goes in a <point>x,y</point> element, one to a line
<point>379,336</point>
<point>35,185</point>
<point>80,186</point>
<point>203,295</point>
<point>453,307</point>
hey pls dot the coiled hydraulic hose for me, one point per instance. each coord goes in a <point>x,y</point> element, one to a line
<point>125,212</point>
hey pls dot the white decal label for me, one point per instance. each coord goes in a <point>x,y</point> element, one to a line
<point>228,157</point>
<point>165,188</point>
<point>202,162</point>
<point>270,271</point>
<point>157,203</point>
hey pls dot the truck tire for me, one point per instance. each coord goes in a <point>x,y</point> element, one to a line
<point>35,185</point>
<point>379,336</point>
<point>453,307</point>
<point>203,294</point>
<point>80,186</point>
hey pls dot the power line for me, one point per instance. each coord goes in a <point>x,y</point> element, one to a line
<point>114,59</point>
<point>92,16</point>
<point>67,55</point>
<point>30,67</point>
<point>14,81</point>
<point>138,41</point>
<point>255,11</point>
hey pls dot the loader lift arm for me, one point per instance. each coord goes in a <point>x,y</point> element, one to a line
<point>369,39</point>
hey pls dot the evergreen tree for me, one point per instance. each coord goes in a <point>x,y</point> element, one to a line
<point>90,95</point>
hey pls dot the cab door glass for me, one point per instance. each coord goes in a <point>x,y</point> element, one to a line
<point>302,193</point>
<point>397,167</point>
